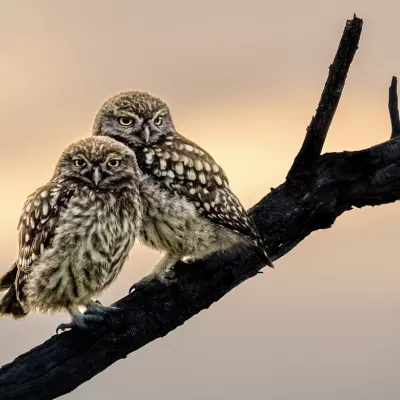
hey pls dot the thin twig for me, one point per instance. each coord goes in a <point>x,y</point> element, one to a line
<point>303,170</point>
<point>394,108</point>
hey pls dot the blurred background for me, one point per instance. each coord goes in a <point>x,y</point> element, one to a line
<point>243,80</point>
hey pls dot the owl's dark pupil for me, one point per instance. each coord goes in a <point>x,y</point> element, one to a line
<point>113,163</point>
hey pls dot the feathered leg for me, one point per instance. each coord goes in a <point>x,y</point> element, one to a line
<point>163,272</point>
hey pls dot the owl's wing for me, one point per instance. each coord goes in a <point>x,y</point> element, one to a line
<point>36,229</point>
<point>186,169</point>
<point>38,221</point>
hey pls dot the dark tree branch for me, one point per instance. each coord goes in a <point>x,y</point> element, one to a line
<point>302,172</point>
<point>341,181</point>
<point>394,108</point>
<point>344,180</point>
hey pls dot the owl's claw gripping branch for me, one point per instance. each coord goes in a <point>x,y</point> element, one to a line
<point>84,322</point>
<point>167,278</point>
<point>287,215</point>
<point>162,272</point>
<point>94,315</point>
<point>96,308</point>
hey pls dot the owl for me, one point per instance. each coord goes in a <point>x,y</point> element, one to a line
<point>189,208</point>
<point>75,233</point>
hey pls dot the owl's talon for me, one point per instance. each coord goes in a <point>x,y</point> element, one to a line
<point>166,278</point>
<point>64,327</point>
<point>95,308</point>
<point>162,272</point>
<point>82,322</point>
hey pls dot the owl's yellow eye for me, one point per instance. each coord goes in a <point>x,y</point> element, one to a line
<point>78,162</point>
<point>113,163</point>
<point>158,121</point>
<point>125,121</point>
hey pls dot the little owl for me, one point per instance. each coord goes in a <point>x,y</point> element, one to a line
<point>190,210</point>
<point>75,233</point>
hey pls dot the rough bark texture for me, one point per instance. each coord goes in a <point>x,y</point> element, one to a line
<point>335,183</point>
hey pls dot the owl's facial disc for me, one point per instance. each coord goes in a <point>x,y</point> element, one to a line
<point>90,173</point>
<point>136,119</point>
<point>139,130</point>
<point>106,172</point>
<point>150,134</point>
<point>99,163</point>
<point>136,130</point>
<point>98,173</point>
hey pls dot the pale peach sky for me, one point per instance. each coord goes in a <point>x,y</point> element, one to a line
<point>243,80</point>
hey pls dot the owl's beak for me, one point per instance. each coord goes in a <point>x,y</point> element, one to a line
<point>96,175</point>
<point>146,134</point>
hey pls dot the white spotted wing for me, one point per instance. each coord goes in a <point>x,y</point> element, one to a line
<point>186,169</point>
<point>38,221</point>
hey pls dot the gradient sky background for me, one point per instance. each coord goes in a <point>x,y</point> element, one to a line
<point>243,80</point>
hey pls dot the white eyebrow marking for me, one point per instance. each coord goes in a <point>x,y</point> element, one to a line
<point>163,112</point>
<point>79,155</point>
<point>114,156</point>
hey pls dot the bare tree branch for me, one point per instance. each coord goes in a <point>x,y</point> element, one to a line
<point>304,166</point>
<point>394,108</point>
<point>286,216</point>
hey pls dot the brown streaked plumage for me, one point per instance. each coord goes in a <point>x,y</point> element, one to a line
<point>182,172</point>
<point>75,233</point>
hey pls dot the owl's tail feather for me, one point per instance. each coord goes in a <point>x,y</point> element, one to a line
<point>259,246</point>
<point>9,305</point>
<point>265,258</point>
<point>8,280</point>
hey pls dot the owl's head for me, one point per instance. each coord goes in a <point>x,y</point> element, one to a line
<point>134,118</point>
<point>101,163</point>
